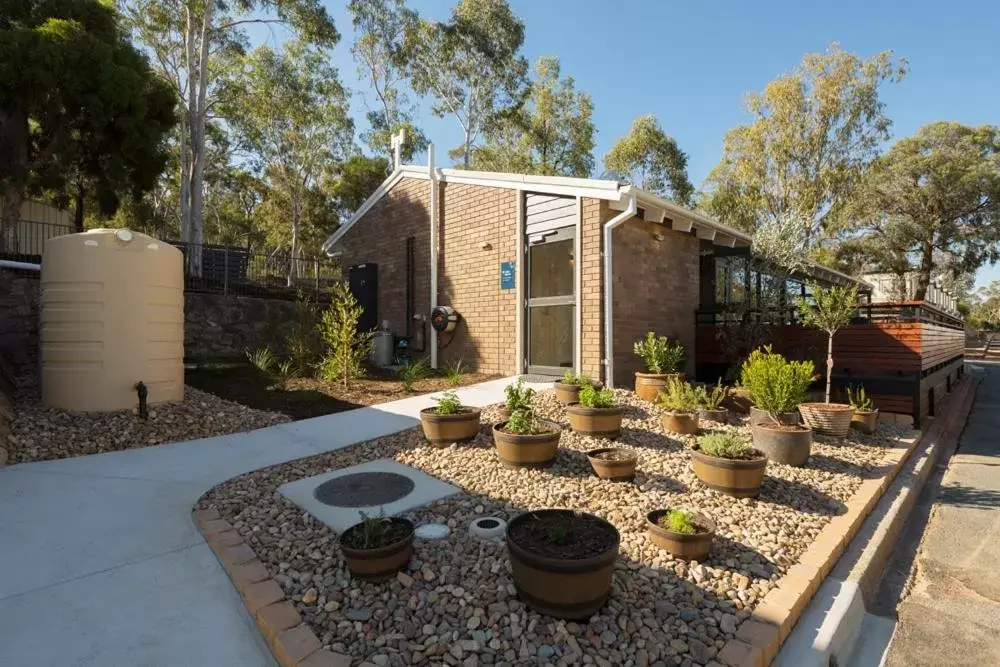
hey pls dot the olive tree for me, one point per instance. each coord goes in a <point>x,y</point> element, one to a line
<point>834,307</point>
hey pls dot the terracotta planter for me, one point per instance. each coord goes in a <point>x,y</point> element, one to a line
<point>758,416</point>
<point>866,422</point>
<point>683,545</point>
<point>443,430</point>
<point>569,587</point>
<point>598,422</point>
<point>527,451</point>
<point>783,444</point>
<point>832,419</point>
<point>568,394</point>
<point>649,385</point>
<point>380,563</point>
<point>740,478</point>
<point>717,415</point>
<point>685,423</point>
<point>613,463</point>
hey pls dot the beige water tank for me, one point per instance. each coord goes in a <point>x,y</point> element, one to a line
<point>112,316</point>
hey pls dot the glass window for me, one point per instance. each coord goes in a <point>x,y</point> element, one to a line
<point>550,330</point>
<point>550,267</point>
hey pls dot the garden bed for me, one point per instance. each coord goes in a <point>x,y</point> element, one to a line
<point>457,599</point>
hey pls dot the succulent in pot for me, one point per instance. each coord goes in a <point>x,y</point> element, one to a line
<point>684,534</point>
<point>516,397</point>
<point>568,389</point>
<point>449,421</point>
<point>596,414</point>
<point>778,387</point>
<point>525,442</point>
<point>710,403</point>
<point>865,417</point>
<point>377,547</point>
<point>680,405</point>
<point>663,362</point>
<point>613,463</point>
<point>726,462</point>
<point>562,561</point>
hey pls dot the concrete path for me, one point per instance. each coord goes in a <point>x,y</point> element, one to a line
<point>951,615</point>
<point>101,565</point>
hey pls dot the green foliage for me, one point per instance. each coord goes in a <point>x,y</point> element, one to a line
<point>775,384</point>
<point>650,159</point>
<point>262,359</point>
<point>372,532</point>
<point>592,397</point>
<point>522,422</point>
<point>518,397</point>
<point>725,445</point>
<point>833,310</point>
<point>347,348</point>
<point>579,379</point>
<point>413,371</point>
<point>679,397</point>
<point>454,371</point>
<point>302,340</point>
<point>860,399</point>
<point>559,532</point>
<point>286,370</point>
<point>711,400</point>
<point>658,354</point>
<point>354,181</point>
<point>448,404</point>
<point>678,521</point>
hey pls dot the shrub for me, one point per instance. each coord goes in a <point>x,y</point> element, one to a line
<point>348,348</point>
<point>658,354</point>
<point>411,372</point>
<point>833,310</point>
<point>580,380</point>
<point>711,400</point>
<point>592,397</point>
<point>448,404</point>
<point>725,445</point>
<point>678,521</point>
<point>262,359</point>
<point>860,399</point>
<point>679,397</point>
<point>775,384</point>
<point>518,397</point>
<point>372,532</point>
<point>522,422</point>
<point>302,340</point>
<point>454,372</point>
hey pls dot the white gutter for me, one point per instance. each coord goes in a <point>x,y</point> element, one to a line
<point>609,357</point>
<point>432,175</point>
<point>22,266</point>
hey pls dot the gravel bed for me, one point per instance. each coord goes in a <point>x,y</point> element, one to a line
<point>457,605</point>
<point>39,433</point>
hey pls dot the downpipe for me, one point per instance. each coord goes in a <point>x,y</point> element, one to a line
<point>609,363</point>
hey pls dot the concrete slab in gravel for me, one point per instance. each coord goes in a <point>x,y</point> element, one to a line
<point>426,489</point>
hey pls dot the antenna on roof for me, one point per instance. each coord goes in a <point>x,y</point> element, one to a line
<point>397,148</point>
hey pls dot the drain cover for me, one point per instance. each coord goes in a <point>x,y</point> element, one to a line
<point>363,489</point>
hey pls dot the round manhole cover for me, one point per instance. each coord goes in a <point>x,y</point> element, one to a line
<point>363,489</point>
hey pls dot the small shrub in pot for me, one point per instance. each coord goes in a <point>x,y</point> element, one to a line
<point>778,387</point>
<point>449,421</point>
<point>663,362</point>
<point>684,534</point>
<point>865,417</point>
<point>596,414</point>
<point>516,397</point>
<point>710,403</point>
<point>680,405</point>
<point>726,462</point>
<point>568,389</point>
<point>525,442</point>
<point>377,547</point>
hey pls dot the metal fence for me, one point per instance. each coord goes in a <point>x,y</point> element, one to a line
<point>24,240</point>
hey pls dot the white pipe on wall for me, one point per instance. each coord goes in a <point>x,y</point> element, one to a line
<point>432,173</point>
<point>519,283</point>
<point>609,356</point>
<point>22,266</point>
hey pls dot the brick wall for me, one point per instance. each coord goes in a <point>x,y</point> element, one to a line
<point>595,212</point>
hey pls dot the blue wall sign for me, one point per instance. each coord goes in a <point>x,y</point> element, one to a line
<point>507,275</point>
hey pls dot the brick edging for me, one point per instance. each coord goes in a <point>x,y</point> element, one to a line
<point>760,637</point>
<point>291,641</point>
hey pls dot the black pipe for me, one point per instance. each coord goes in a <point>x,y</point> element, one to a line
<point>143,393</point>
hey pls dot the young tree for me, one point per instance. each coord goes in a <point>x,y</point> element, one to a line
<point>348,348</point>
<point>552,134</point>
<point>932,201</point>
<point>75,99</point>
<point>813,133</point>
<point>292,114</point>
<point>833,311</point>
<point>471,65</point>
<point>650,159</point>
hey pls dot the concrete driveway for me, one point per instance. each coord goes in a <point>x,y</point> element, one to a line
<point>101,565</point>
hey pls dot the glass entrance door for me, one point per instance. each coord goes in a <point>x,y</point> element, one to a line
<point>551,301</point>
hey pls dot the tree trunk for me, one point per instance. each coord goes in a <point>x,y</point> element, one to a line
<point>293,254</point>
<point>829,365</point>
<point>10,216</point>
<point>81,194</point>
<point>926,266</point>
<point>185,129</point>
<point>198,138</point>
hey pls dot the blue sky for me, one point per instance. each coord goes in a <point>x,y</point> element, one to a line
<point>690,63</point>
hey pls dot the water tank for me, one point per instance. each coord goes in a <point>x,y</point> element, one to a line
<point>112,316</point>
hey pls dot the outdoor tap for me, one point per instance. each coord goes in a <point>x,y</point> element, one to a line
<point>143,392</point>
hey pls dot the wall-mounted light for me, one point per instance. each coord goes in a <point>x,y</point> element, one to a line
<point>486,245</point>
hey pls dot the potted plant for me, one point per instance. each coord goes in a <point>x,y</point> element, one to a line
<point>726,462</point>
<point>596,414</point>
<point>613,463</point>
<point>517,397</point>
<point>680,404</point>
<point>775,386</point>
<point>525,442</point>
<point>687,535</point>
<point>568,389</point>
<point>377,547</point>
<point>832,311</point>
<point>449,421</point>
<point>710,403</point>
<point>562,561</point>
<point>663,361</point>
<point>865,417</point>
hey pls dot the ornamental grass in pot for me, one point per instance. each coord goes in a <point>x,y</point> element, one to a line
<point>680,405</point>
<point>710,403</point>
<point>562,561</point>
<point>516,397</point>
<point>568,389</point>
<point>778,387</point>
<point>726,462</point>
<point>663,362</point>
<point>865,417</point>
<point>449,421</point>
<point>684,534</point>
<point>377,547</point>
<point>525,442</point>
<point>596,414</point>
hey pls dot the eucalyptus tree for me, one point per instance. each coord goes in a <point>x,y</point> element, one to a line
<point>650,159</point>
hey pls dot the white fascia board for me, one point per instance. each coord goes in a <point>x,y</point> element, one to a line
<point>380,192</point>
<point>693,218</point>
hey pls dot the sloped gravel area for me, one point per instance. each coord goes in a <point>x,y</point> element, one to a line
<point>39,433</point>
<point>457,604</point>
